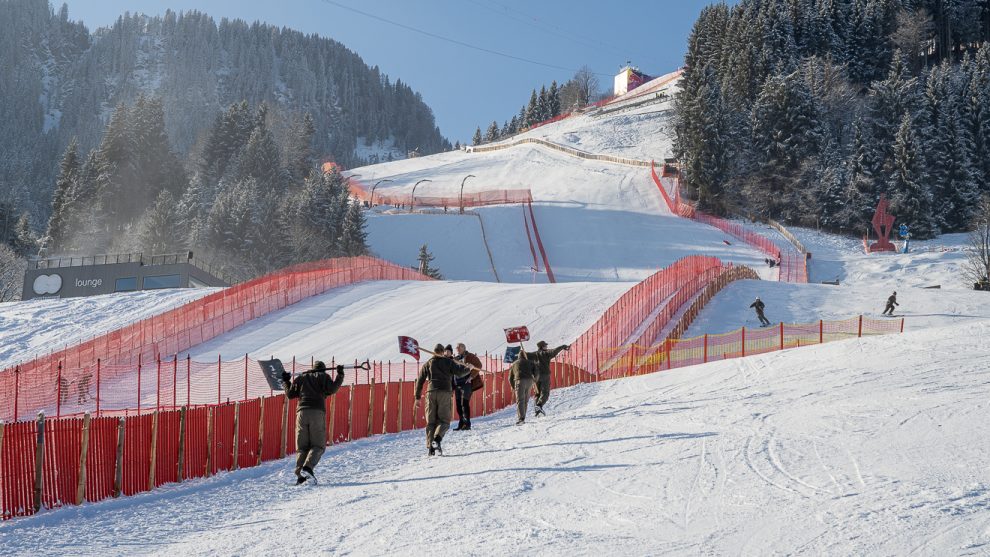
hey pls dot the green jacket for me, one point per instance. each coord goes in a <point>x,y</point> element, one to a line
<point>523,368</point>
<point>441,373</point>
<point>543,357</point>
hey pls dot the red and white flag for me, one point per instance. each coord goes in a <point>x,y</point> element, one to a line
<point>516,334</point>
<point>410,346</point>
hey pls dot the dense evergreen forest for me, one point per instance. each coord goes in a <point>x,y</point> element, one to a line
<point>807,110</point>
<point>73,95</point>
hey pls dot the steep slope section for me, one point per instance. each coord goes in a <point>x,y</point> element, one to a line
<point>838,449</point>
<point>598,220</point>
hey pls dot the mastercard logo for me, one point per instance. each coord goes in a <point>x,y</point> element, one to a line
<point>47,284</point>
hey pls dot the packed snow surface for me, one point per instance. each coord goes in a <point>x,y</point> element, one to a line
<point>868,446</point>
<point>35,327</point>
<point>598,221</point>
<point>364,321</point>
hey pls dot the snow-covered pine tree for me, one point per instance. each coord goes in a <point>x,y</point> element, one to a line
<point>477,139</point>
<point>910,200</point>
<point>492,133</point>
<point>353,240</point>
<point>553,100</point>
<point>425,258</point>
<point>532,110</point>
<point>24,241</point>
<point>948,150</point>
<point>162,229</point>
<point>68,176</point>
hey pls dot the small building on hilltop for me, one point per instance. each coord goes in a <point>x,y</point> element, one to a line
<point>628,78</point>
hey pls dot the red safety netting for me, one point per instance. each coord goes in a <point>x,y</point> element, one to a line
<point>469,199</point>
<point>196,449</point>
<point>101,458</point>
<point>271,430</point>
<point>222,442</point>
<point>339,428</point>
<point>167,447</point>
<point>136,468</point>
<point>17,468</point>
<point>63,439</point>
<point>248,433</point>
<point>83,378</point>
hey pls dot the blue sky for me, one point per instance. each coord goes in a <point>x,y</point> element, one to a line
<point>465,87</point>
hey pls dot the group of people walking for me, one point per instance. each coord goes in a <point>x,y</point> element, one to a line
<point>451,374</point>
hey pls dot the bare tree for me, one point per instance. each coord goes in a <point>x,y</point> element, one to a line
<point>12,270</point>
<point>913,35</point>
<point>977,266</point>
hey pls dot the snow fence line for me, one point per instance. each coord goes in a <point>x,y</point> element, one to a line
<point>793,264</point>
<point>53,462</point>
<point>556,147</point>
<point>72,374</point>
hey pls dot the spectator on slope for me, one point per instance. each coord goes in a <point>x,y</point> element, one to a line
<point>522,374</point>
<point>464,386</point>
<point>311,387</point>
<point>440,370</point>
<point>759,306</point>
<point>891,302</point>
<point>542,358</point>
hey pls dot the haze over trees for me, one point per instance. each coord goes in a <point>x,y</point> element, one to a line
<point>75,105</point>
<point>807,110</point>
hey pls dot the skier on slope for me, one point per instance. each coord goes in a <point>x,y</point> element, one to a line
<point>522,375</point>
<point>440,371</point>
<point>311,387</point>
<point>759,306</point>
<point>463,386</point>
<point>891,302</point>
<point>542,358</point>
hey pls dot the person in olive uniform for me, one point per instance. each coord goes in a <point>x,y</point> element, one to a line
<point>542,358</point>
<point>440,371</point>
<point>523,373</point>
<point>311,387</point>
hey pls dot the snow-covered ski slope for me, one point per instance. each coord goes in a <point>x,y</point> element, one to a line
<point>363,321</point>
<point>599,221</point>
<point>863,447</point>
<point>34,327</point>
<point>865,282</point>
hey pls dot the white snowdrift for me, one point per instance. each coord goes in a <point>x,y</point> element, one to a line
<point>869,446</point>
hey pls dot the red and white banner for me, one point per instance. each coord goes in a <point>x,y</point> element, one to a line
<point>516,334</point>
<point>409,346</point>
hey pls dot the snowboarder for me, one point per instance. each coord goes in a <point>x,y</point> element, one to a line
<point>522,374</point>
<point>440,371</point>
<point>891,302</point>
<point>542,358</point>
<point>759,306</point>
<point>463,386</point>
<point>311,387</point>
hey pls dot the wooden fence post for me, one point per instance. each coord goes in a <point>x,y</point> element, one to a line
<point>209,441</point>
<point>118,474</point>
<point>705,357</point>
<point>182,442</point>
<point>399,425</point>
<point>39,462</point>
<point>781,335</point>
<point>283,447</point>
<point>154,451</point>
<point>83,452</point>
<point>744,341</point>
<point>371,408</point>
<point>237,441</point>
<point>261,429</point>
<point>860,326</point>
<point>902,324</point>
<point>350,408</point>
<point>821,331</point>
